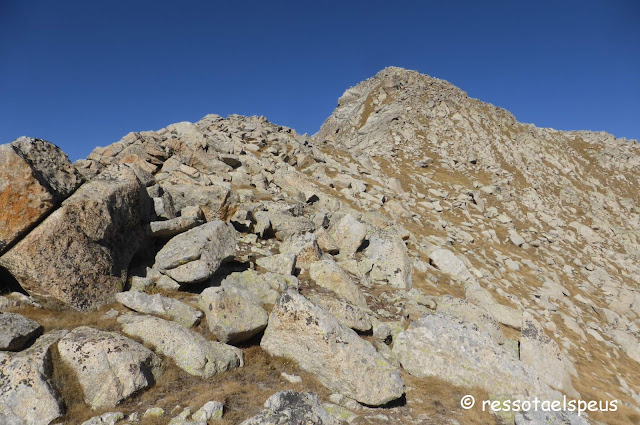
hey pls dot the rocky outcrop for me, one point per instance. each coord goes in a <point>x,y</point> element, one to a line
<point>336,355</point>
<point>79,255</point>
<point>35,177</point>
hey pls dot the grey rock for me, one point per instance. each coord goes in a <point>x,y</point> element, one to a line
<point>447,262</point>
<point>327,274</point>
<point>109,367</point>
<point>191,352</point>
<point>348,314</point>
<point>348,234</point>
<point>448,348</point>
<point>27,395</point>
<point>543,354</point>
<point>279,263</point>
<point>291,407</point>
<point>212,410</point>
<point>109,418</point>
<point>336,355</point>
<point>162,306</point>
<point>211,199</point>
<point>391,262</point>
<point>233,314</point>
<point>16,331</point>
<point>195,255</point>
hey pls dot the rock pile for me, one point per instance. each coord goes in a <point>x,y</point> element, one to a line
<point>420,238</point>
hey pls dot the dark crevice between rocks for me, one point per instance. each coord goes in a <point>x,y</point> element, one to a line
<point>364,245</point>
<point>399,402</point>
<point>216,280</point>
<point>9,284</point>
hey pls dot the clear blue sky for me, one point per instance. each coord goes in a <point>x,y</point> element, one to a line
<point>85,73</point>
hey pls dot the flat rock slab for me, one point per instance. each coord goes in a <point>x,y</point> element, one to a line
<point>291,407</point>
<point>195,255</point>
<point>162,306</point>
<point>35,176</point>
<point>109,367</point>
<point>16,331</point>
<point>336,355</point>
<point>79,255</point>
<point>191,351</point>
<point>26,393</point>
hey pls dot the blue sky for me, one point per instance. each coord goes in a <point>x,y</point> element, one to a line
<point>84,73</point>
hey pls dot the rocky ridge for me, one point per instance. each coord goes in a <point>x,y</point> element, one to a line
<point>423,242</point>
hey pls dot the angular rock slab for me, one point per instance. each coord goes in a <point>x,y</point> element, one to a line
<point>16,331</point>
<point>543,354</point>
<point>348,314</point>
<point>291,407</point>
<point>26,393</point>
<point>109,367</point>
<point>336,355</point>
<point>192,352</point>
<point>35,176</point>
<point>78,256</point>
<point>195,255</point>
<point>391,262</point>
<point>458,352</point>
<point>329,275</point>
<point>348,234</point>
<point>233,314</point>
<point>160,305</point>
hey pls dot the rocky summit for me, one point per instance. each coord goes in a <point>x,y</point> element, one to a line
<point>423,246</point>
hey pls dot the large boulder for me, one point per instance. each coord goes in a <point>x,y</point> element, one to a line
<point>291,407</point>
<point>35,176</point>
<point>459,352</point>
<point>391,262</point>
<point>543,354</point>
<point>79,255</point>
<point>191,351</point>
<point>27,395</point>
<point>336,355</point>
<point>195,255</point>
<point>233,314</point>
<point>109,367</point>
<point>16,331</point>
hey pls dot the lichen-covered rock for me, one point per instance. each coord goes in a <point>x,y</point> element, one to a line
<point>348,234</point>
<point>35,176</point>
<point>335,354</point>
<point>191,352</point>
<point>109,367</point>
<point>195,255</point>
<point>543,354</point>
<point>27,395</point>
<point>162,306</point>
<point>16,331</point>
<point>460,353</point>
<point>233,314</point>
<point>291,407</point>
<point>391,263</point>
<point>348,314</point>
<point>329,275</point>
<point>79,255</point>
